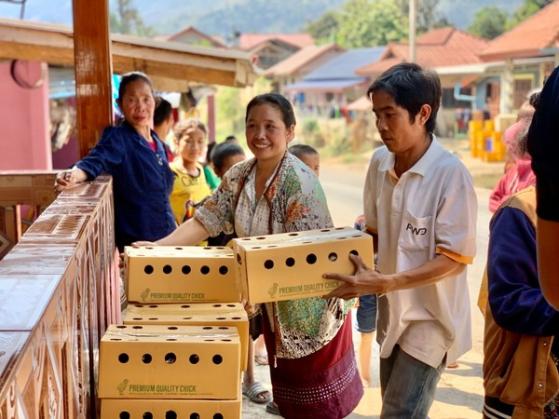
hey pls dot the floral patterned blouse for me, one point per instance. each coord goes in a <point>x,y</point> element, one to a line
<point>293,200</point>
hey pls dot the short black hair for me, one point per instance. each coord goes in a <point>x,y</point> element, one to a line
<point>224,150</point>
<point>411,86</point>
<point>299,150</point>
<point>131,77</point>
<point>163,111</point>
<point>277,101</point>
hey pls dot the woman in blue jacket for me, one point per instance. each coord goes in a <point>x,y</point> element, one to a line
<point>136,158</point>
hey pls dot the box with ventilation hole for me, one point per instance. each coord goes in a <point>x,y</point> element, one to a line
<point>290,266</point>
<point>168,274</point>
<point>199,314</point>
<point>170,362</point>
<point>170,409</point>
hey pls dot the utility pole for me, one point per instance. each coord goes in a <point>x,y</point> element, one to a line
<point>411,39</point>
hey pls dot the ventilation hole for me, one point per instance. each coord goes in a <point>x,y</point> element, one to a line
<point>185,306</point>
<point>121,327</point>
<point>236,318</point>
<point>354,252</point>
<point>205,270</point>
<point>153,318</point>
<point>172,328</point>
<point>148,269</point>
<point>239,259</point>
<point>223,328</point>
<point>261,238</point>
<point>332,257</point>
<point>290,262</point>
<point>167,269</point>
<point>272,246</point>
<point>116,339</point>
<point>137,318</point>
<point>178,248</point>
<point>124,415</point>
<point>153,306</point>
<point>218,416</point>
<point>221,318</point>
<point>149,247</point>
<point>217,305</point>
<point>171,340</point>
<point>207,328</point>
<point>341,238</point>
<point>217,359</point>
<point>137,327</point>
<point>170,358</point>
<point>187,318</point>
<point>230,305</point>
<point>138,305</point>
<point>223,270</point>
<point>186,269</point>
<point>256,247</point>
<point>207,248</point>
<point>194,359</point>
<point>220,247</point>
<point>293,234</point>
<point>194,416</point>
<point>311,258</point>
<point>226,340</point>
<point>209,340</point>
<point>146,358</point>
<point>123,358</point>
<point>339,228</point>
<point>326,230</point>
<point>147,415</point>
<point>307,242</point>
<point>269,264</point>
<point>170,414</point>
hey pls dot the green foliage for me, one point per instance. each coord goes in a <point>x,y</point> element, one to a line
<point>527,9</point>
<point>324,29</point>
<point>427,15</point>
<point>489,22</point>
<point>368,23</point>
<point>128,20</point>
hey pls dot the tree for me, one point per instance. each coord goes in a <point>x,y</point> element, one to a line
<point>128,20</point>
<point>368,23</point>
<point>427,16</point>
<point>527,9</point>
<point>324,29</point>
<point>489,22</point>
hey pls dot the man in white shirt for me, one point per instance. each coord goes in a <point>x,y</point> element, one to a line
<point>421,208</point>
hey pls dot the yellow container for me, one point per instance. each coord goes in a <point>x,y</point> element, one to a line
<point>170,362</point>
<point>290,266</point>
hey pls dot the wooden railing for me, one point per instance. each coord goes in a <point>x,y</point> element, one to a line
<point>58,292</point>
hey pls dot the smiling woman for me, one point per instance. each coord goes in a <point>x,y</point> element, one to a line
<point>136,158</point>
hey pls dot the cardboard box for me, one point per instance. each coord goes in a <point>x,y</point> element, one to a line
<point>170,362</point>
<point>290,266</point>
<point>199,314</point>
<point>170,409</point>
<point>168,274</point>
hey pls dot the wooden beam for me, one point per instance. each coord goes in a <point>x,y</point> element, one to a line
<point>93,68</point>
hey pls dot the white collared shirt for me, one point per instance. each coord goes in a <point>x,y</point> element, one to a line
<point>431,209</point>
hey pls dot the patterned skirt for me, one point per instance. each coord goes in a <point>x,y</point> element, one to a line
<point>325,384</point>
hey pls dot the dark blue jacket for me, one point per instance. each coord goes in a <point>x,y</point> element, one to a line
<point>515,297</point>
<point>142,182</point>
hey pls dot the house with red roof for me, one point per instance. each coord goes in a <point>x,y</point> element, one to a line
<point>298,65</point>
<point>268,49</point>
<point>453,54</point>
<point>524,56</point>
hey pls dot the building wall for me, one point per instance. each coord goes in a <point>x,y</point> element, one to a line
<point>24,117</point>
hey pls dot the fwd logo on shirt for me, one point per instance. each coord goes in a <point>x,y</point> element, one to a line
<point>416,231</point>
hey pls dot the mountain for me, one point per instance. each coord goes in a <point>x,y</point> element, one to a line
<point>223,17</point>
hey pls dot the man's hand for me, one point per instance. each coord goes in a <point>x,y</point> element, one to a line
<point>364,281</point>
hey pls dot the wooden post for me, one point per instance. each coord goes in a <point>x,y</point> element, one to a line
<point>93,68</point>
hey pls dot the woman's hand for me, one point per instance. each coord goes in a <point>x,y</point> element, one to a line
<point>143,244</point>
<point>69,178</point>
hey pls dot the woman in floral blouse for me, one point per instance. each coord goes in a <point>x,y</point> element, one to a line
<point>312,364</point>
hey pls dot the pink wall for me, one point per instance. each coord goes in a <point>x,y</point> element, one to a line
<point>24,118</point>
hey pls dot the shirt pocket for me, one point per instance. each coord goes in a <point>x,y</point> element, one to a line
<point>415,233</point>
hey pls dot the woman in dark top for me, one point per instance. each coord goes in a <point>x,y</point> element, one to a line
<point>136,158</point>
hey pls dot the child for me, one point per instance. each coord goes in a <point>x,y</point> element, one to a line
<point>190,186</point>
<point>307,155</point>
